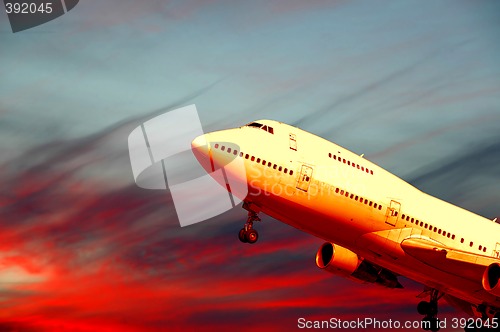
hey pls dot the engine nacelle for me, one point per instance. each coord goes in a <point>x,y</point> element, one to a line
<point>491,278</point>
<point>343,262</point>
<point>337,260</point>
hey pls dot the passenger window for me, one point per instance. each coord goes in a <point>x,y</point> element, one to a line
<point>343,160</point>
<point>412,220</point>
<point>346,194</point>
<point>462,240</point>
<point>348,163</point>
<point>403,216</point>
<point>291,172</point>
<point>453,237</point>
<point>371,203</point>
<point>342,192</point>
<point>448,235</point>
<point>269,164</point>
<point>356,198</point>
<point>329,154</point>
<point>280,168</point>
<point>228,150</point>
<point>408,218</point>
<point>362,168</point>
<point>366,201</point>
<point>258,160</point>
<point>352,195</point>
<point>241,154</point>
<point>275,166</point>
<point>439,231</point>
<point>223,148</point>
<point>435,229</point>
<point>380,207</point>
<point>335,157</point>
<point>216,146</point>
<point>235,152</point>
<point>357,166</point>
<point>375,205</point>
<point>337,190</point>
<point>263,162</point>
<point>371,172</point>
<point>253,158</point>
<point>285,170</point>
<point>246,156</point>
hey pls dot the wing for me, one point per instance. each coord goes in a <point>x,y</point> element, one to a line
<point>468,265</point>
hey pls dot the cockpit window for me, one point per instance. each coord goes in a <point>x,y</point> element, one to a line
<point>261,126</point>
<point>268,129</point>
<point>254,124</point>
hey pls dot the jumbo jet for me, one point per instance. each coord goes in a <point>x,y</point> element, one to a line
<point>377,227</point>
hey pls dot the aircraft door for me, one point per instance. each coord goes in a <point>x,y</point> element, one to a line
<point>391,216</point>
<point>293,142</point>
<point>304,178</point>
<point>497,251</point>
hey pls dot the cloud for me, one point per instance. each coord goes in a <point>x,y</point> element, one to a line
<point>400,72</point>
<point>468,179</point>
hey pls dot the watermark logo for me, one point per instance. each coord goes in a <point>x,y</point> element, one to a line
<point>159,141</point>
<point>26,14</point>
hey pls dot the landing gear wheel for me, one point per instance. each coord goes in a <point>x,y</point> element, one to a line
<point>242,235</point>
<point>431,324</point>
<point>247,234</point>
<point>430,311</point>
<point>423,307</point>
<point>252,236</point>
<point>427,308</point>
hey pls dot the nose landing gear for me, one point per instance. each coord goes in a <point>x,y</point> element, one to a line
<point>248,234</point>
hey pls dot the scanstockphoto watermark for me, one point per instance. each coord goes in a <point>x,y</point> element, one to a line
<point>371,323</point>
<point>156,143</point>
<point>367,323</point>
<point>26,14</point>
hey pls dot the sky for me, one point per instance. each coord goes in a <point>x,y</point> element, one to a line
<point>413,85</point>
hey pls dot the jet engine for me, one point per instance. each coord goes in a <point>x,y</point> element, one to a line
<point>343,262</point>
<point>491,277</point>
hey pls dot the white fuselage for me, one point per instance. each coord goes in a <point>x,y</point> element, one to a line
<point>338,196</point>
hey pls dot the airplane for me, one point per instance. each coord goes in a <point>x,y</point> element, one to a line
<point>377,227</point>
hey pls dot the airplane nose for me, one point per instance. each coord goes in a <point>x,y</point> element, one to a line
<point>199,146</point>
<point>199,142</point>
